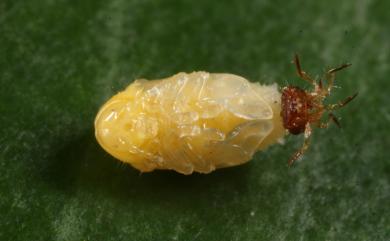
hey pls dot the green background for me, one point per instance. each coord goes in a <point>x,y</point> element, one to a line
<point>61,60</point>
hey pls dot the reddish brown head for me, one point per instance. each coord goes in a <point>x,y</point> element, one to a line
<point>302,109</point>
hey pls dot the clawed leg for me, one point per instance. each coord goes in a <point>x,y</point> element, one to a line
<point>343,66</point>
<point>342,103</point>
<point>300,72</point>
<point>330,75</point>
<point>304,147</point>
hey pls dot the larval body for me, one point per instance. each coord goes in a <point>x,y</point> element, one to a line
<point>190,122</point>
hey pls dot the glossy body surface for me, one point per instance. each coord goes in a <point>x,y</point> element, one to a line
<point>190,122</point>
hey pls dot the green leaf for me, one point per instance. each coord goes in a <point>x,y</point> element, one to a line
<point>61,60</point>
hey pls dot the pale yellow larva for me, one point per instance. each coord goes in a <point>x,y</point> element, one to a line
<point>190,122</point>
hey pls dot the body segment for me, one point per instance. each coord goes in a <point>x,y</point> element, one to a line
<point>295,109</point>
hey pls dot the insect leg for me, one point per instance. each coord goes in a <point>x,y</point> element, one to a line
<point>304,147</point>
<point>343,66</point>
<point>331,117</point>
<point>342,103</point>
<point>302,74</point>
<point>330,79</point>
<point>320,84</point>
<point>331,74</point>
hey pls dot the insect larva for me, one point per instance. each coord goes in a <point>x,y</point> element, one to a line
<point>202,121</point>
